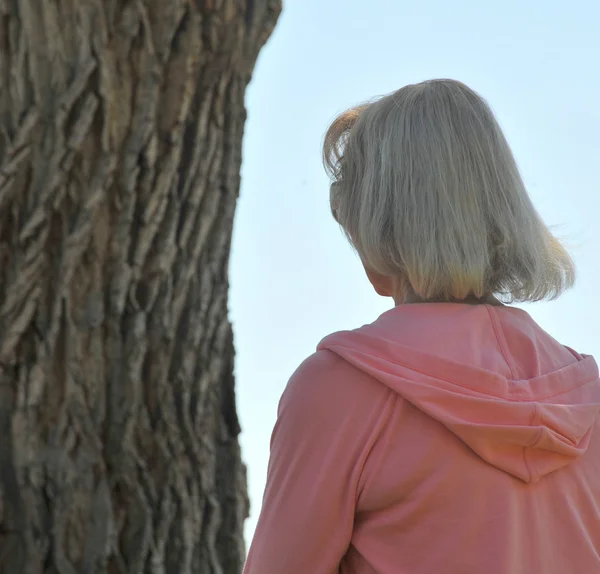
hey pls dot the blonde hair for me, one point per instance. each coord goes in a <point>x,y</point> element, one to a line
<point>427,189</point>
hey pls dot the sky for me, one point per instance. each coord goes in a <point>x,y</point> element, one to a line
<point>294,278</point>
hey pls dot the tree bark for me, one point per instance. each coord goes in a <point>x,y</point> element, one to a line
<point>120,146</point>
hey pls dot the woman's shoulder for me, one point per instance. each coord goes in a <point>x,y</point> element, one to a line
<point>324,380</point>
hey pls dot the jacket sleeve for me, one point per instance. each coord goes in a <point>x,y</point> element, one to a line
<point>328,419</point>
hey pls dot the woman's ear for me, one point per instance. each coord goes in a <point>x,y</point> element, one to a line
<point>382,284</point>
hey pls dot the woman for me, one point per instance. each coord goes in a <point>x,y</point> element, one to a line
<point>452,435</point>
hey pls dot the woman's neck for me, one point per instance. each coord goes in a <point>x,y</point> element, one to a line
<point>411,297</point>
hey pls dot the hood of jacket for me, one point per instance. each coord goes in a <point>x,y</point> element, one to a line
<point>516,397</point>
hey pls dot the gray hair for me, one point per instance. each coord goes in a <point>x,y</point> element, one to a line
<point>427,189</point>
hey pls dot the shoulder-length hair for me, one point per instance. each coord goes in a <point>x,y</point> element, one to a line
<point>427,189</point>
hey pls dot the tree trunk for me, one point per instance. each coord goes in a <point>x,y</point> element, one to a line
<point>121,124</point>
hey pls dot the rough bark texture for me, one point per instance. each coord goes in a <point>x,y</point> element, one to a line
<point>120,146</point>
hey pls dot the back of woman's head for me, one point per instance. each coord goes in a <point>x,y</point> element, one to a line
<point>427,189</point>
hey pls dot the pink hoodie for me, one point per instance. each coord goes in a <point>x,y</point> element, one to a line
<point>442,439</point>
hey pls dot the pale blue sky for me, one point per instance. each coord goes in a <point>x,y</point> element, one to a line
<point>294,279</point>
